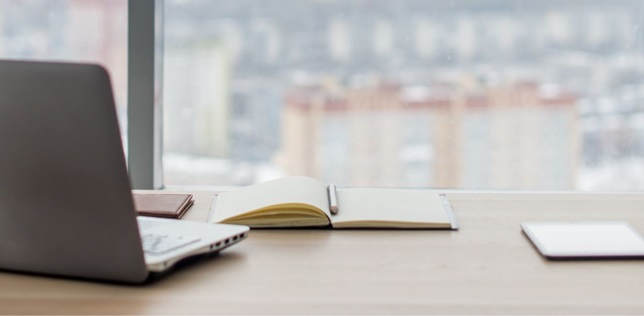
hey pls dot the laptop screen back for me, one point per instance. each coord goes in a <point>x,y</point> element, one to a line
<point>65,199</point>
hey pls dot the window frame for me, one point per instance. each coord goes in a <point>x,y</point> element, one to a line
<point>144,96</point>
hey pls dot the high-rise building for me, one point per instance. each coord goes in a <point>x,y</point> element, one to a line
<point>197,101</point>
<point>458,134</point>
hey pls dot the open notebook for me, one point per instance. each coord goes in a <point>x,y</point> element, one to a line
<point>305,202</point>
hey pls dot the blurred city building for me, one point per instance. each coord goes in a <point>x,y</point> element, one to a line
<point>454,134</point>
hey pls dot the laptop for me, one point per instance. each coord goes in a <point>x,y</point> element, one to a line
<point>66,205</point>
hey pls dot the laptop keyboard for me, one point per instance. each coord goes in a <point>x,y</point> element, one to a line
<point>157,244</point>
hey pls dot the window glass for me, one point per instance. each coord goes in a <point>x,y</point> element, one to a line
<point>503,94</point>
<point>91,31</point>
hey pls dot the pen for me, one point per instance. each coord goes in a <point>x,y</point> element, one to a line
<point>333,199</point>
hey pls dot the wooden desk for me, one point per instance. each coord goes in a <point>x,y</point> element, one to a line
<point>488,267</point>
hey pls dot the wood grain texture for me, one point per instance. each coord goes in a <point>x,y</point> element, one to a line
<point>487,267</point>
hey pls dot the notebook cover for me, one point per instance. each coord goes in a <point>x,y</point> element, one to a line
<point>162,205</point>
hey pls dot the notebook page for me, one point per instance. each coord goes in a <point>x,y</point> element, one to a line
<point>283,191</point>
<point>380,206</point>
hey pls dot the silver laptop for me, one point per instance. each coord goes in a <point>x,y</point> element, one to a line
<point>66,205</point>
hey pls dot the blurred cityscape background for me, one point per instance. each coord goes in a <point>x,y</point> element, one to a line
<point>539,95</point>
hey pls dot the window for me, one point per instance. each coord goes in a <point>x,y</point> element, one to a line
<point>92,31</point>
<point>500,94</point>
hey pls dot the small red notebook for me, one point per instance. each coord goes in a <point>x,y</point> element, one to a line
<point>162,205</point>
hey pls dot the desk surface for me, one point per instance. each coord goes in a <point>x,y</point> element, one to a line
<point>487,267</point>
